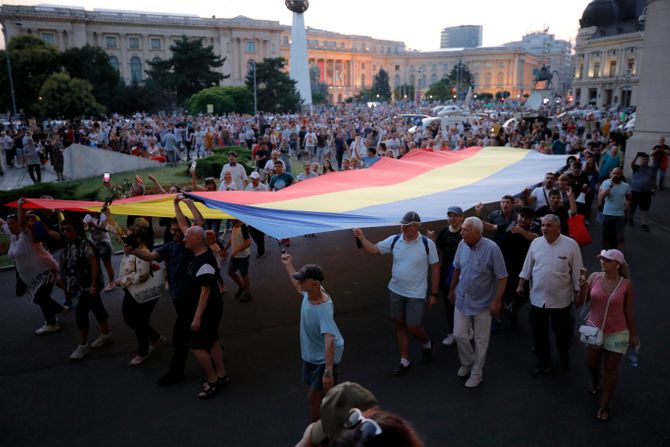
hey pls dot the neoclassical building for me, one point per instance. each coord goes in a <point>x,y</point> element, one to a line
<point>346,63</point>
<point>608,53</point>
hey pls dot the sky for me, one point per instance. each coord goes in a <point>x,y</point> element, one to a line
<point>417,22</point>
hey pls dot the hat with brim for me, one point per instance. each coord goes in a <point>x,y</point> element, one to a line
<point>612,255</point>
<point>410,218</point>
<point>335,408</point>
<point>309,271</point>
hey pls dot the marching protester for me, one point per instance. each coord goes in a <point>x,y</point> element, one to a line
<point>321,344</point>
<point>413,256</point>
<point>612,309</point>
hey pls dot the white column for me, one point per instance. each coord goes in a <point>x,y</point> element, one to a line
<point>299,71</point>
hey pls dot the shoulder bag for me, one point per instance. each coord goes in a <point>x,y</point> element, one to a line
<point>591,335</point>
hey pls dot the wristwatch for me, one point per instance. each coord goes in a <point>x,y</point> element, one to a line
<point>327,372</point>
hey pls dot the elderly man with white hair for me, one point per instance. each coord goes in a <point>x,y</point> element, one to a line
<point>477,287</point>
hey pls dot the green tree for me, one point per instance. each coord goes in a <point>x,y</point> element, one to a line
<point>33,61</point>
<point>501,96</point>
<point>224,100</point>
<point>404,91</point>
<point>381,86</point>
<point>145,97</point>
<point>485,96</point>
<point>92,64</point>
<point>319,89</point>
<point>191,68</point>
<point>275,90</point>
<point>442,90</point>
<point>461,79</point>
<point>66,97</point>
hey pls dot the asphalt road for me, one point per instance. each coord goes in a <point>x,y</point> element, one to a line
<point>46,399</point>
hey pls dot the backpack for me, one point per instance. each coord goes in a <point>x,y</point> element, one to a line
<point>424,239</point>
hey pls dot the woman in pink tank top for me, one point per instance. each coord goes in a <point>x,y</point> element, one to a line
<point>616,320</point>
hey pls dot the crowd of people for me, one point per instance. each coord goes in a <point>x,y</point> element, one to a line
<point>531,254</point>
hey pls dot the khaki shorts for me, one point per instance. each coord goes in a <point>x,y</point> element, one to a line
<point>616,342</point>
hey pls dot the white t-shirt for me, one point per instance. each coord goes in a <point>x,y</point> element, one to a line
<point>238,173</point>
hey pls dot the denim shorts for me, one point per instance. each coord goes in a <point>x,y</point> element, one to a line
<point>312,375</point>
<point>410,310</point>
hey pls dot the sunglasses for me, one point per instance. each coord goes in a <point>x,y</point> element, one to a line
<point>368,427</point>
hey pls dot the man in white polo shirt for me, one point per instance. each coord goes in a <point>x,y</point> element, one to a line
<point>412,254</point>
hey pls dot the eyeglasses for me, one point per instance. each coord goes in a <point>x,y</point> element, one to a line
<point>368,427</point>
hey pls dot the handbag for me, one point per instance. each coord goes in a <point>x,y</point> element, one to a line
<point>149,290</point>
<point>578,231</point>
<point>591,335</point>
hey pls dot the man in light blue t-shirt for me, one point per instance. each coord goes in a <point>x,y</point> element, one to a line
<point>413,254</point>
<point>615,195</point>
<point>321,344</point>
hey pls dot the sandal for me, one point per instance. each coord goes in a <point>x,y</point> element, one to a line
<point>223,381</point>
<point>208,390</point>
<point>603,414</point>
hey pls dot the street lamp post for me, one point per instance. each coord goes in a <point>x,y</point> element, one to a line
<point>253,63</point>
<point>9,72</point>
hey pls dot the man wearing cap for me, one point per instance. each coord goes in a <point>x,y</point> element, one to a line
<point>237,171</point>
<point>257,235</point>
<point>447,242</point>
<point>321,344</point>
<point>335,408</point>
<point>412,254</point>
<point>552,266</point>
<point>476,289</point>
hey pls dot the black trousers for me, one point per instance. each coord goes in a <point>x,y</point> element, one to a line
<point>561,323</point>
<point>89,303</point>
<point>259,238</point>
<point>181,335</point>
<point>48,306</point>
<point>136,315</point>
<point>35,172</point>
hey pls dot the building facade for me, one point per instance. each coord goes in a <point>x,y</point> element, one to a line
<point>346,63</point>
<point>608,52</point>
<point>462,36</point>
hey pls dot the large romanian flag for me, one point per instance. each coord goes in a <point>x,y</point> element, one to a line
<point>423,181</point>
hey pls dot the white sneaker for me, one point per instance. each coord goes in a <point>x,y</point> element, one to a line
<point>80,352</point>
<point>449,340</point>
<point>102,340</point>
<point>161,341</point>
<point>47,328</point>
<point>463,371</point>
<point>473,382</point>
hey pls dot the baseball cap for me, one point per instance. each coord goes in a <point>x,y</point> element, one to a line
<point>613,255</point>
<point>312,271</point>
<point>455,209</point>
<point>410,217</point>
<point>335,407</point>
<point>254,175</point>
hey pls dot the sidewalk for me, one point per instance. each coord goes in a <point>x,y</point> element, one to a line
<point>659,213</point>
<point>15,178</point>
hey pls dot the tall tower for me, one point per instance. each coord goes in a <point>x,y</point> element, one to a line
<point>299,71</point>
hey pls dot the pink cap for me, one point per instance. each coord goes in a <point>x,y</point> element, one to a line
<point>613,255</point>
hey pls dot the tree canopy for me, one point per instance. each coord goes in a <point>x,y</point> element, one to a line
<point>442,90</point>
<point>223,99</point>
<point>63,96</point>
<point>381,87</point>
<point>33,61</point>
<point>461,79</point>
<point>191,68</point>
<point>275,90</point>
<point>92,64</point>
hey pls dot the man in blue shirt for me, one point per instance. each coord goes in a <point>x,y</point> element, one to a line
<point>282,179</point>
<point>615,195</point>
<point>477,287</point>
<point>321,344</point>
<point>413,254</point>
<point>371,159</point>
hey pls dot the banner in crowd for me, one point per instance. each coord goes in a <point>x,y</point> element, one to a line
<point>423,181</point>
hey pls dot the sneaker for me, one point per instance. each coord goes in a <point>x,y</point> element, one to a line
<point>541,371</point>
<point>400,369</point>
<point>246,297</point>
<point>473,382</point>
<point>170,379</point>
<point>160,342</point>
<point>137,360</point>
<point>239,293</point>
<point>449,340</point>
<point>102,340</point>
<point>463,371</point>
<point>80,352</point>
<point>645,228</point>
<point>47,328</point>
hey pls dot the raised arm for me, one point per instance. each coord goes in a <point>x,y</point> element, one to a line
<point>287,260</point>
<point>197,215</point>
<point>367,245</point>
<point>157,185</point>
<point>181,219</point>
